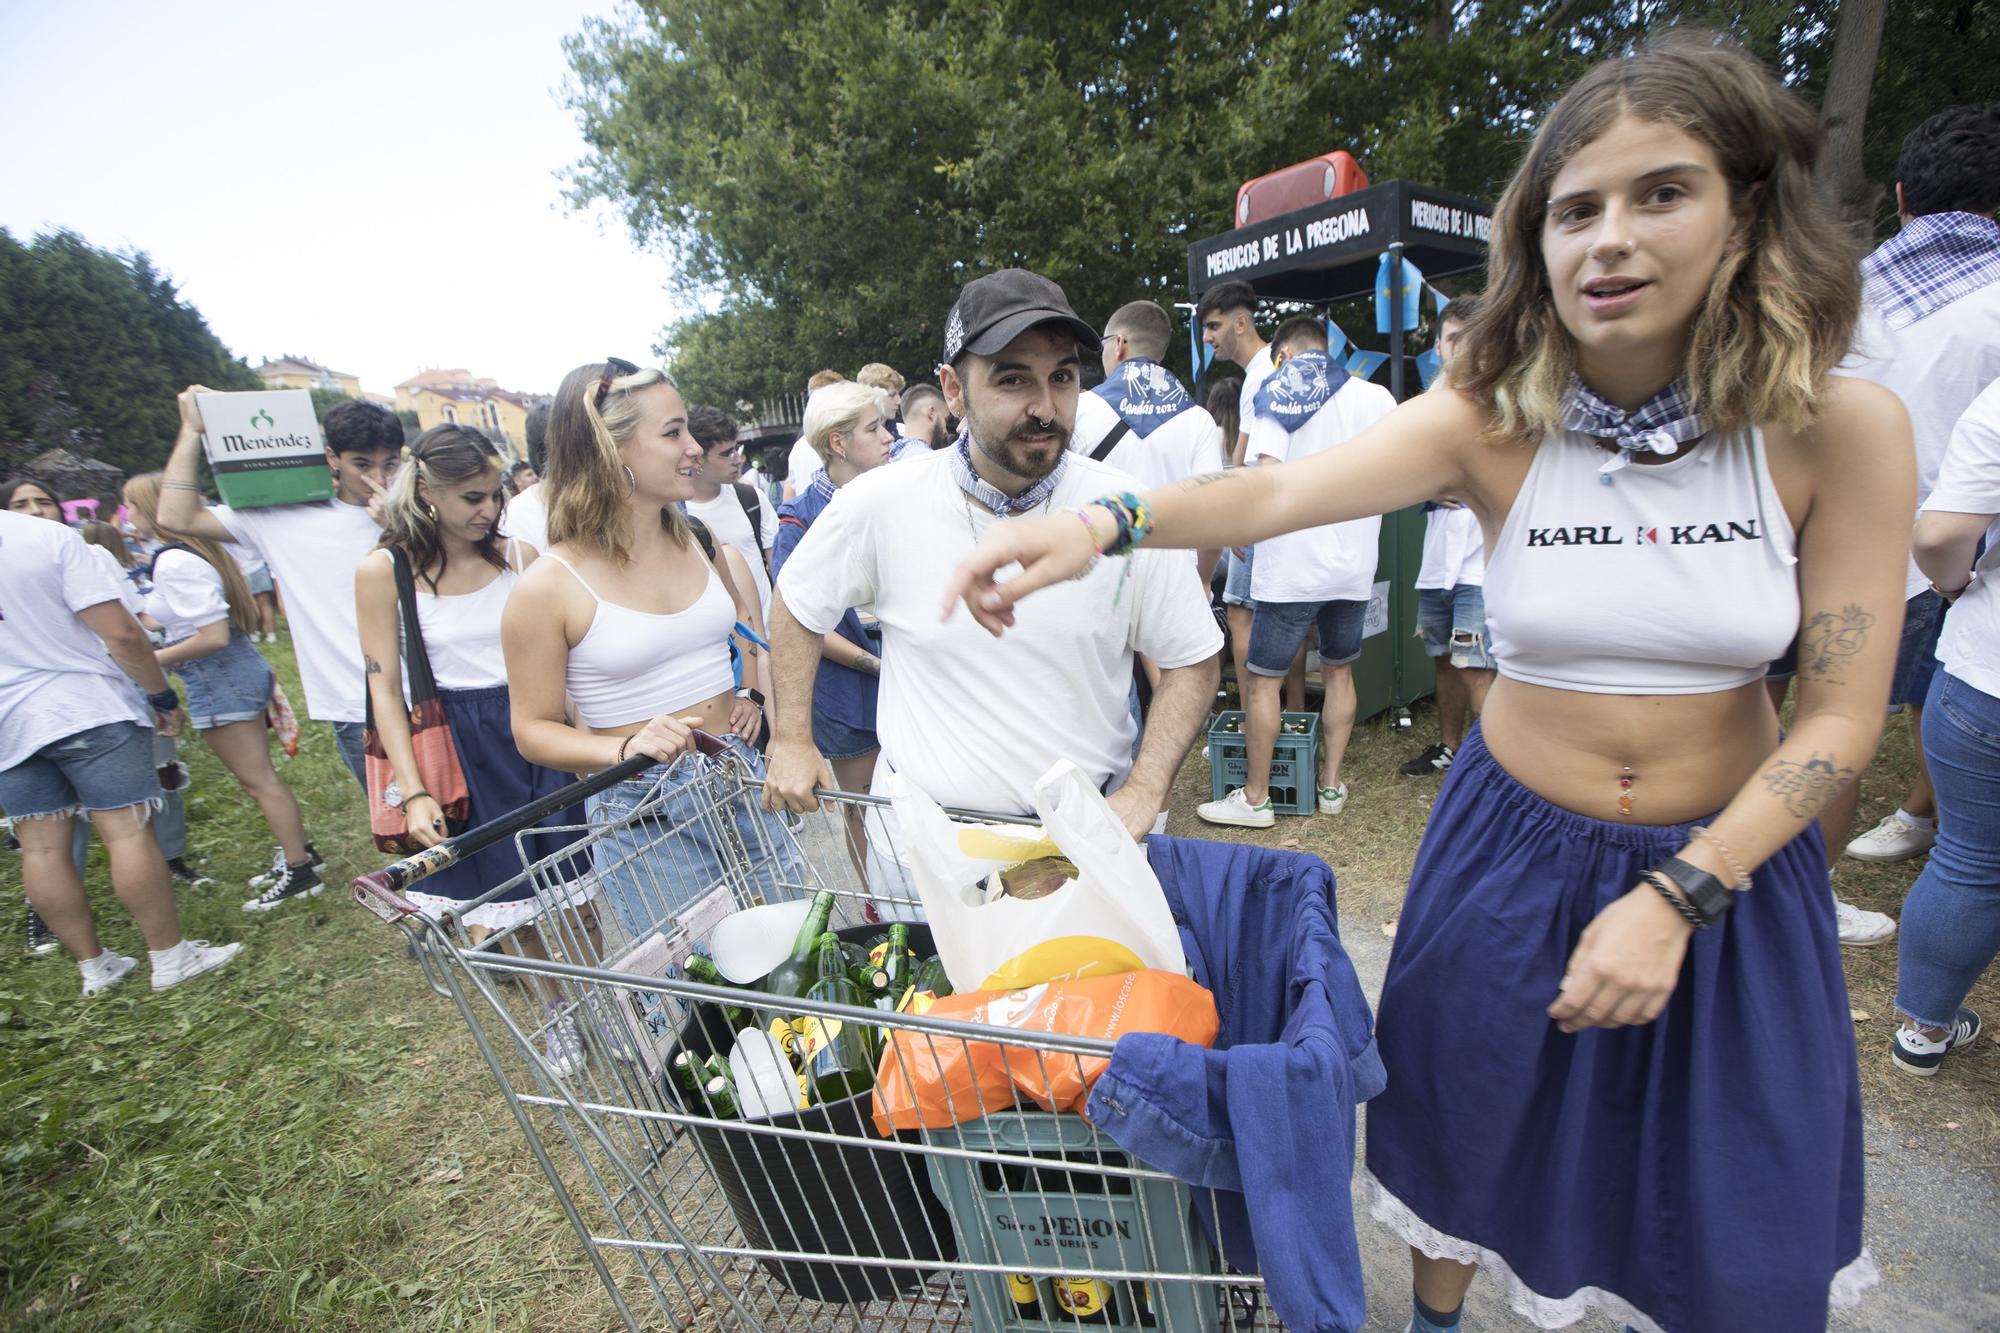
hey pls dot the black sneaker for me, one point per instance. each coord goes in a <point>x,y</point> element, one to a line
<point>1434,760</point>
<point>186,875</point>
<point>297,881</point>
<point>1916,1054</point>
<point>277,870</point>
<point>40,938</point>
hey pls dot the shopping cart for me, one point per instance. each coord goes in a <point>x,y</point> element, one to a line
<point>807,1219</point>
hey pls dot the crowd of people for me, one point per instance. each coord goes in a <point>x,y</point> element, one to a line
<point>1670,472</point>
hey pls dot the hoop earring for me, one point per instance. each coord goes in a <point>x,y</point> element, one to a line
<point>631,481</point>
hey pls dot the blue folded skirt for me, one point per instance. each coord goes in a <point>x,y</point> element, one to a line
<point>1702,1172</point>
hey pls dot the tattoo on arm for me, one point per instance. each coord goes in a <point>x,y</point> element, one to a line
<point>1806,788</point>
<point>374,667</point>
<point>868,664</point>
<point>1829,639</point>
<point>1195,483</point>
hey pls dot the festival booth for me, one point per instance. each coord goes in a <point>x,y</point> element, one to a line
<point>1391,240</point>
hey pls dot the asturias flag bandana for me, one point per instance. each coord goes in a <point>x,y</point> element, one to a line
<point>1144,394</point>
<point>1302,386</point>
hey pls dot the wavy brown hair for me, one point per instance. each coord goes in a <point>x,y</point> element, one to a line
<point>586,481</point>
<point>442,457</point>
<point>143,494</point>
<point>1781,307</point>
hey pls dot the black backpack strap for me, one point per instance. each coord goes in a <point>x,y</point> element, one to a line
<point>170,546</point>
<point>705,537</point>
<point>746,498</point>
<point>1110,441</point>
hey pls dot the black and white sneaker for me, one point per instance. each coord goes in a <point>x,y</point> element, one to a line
<point>186,875</point>
<point>298,881</point>
<point>277,870</point>
<point>1914,1053</point>
<point>40,938</point>
<point>1434,760</point>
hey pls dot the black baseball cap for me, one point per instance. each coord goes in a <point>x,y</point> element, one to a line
<point>994,310</point>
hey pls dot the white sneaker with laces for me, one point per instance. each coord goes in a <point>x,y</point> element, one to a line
<point>106,970</point>
<point>1894,839</point>
<point>562,1044</point>
<point>189,959</point>
<point>1236,811</point>
<point>1860,927</point>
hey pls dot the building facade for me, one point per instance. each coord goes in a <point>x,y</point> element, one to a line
<point>457,397</point>
<point>297,372</point>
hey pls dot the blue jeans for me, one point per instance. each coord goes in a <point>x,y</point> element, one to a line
<point>170,823</point>
<point>663,839</point>
<point>352,738</point>
<point>108,767</point>
<point>1452,621</point>
<point>1951,920</point>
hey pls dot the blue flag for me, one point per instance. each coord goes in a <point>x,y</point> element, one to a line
<point>1413,290</point>
<point>1364,363</point>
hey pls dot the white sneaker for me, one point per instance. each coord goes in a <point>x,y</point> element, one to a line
<point>189,959</point>
<point>1894,839</point>
<point>1236,811</point>
<point>106,970</point>
<point>1332,800</point>
<point>1859,927</point>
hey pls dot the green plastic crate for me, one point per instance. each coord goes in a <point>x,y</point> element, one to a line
<point>1294,761</point>
<point>1075,1220</point>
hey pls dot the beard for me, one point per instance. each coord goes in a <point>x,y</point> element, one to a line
<point>1014,454</point>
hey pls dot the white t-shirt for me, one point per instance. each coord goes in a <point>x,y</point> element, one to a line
<point>55,677</point>
<point>1334,562</point>
<point>1454,550</point>
<point>187,594</point>
<point>312,550</point>
<point>526,519</point>
<point>1095,419</point>
<point>247,560</point>
<point>1937,366</point>
<point>1184,446</point>
<point>726,519</point>
<point>128,591</point>
<point>1968,482</point>
<point>800,466</point>
<point>972,720</point>
<point>1254,376</point>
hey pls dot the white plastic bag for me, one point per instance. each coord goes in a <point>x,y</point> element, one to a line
<point>1112,918</point>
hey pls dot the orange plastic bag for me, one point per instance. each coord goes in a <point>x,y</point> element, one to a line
<point>928,1080</point>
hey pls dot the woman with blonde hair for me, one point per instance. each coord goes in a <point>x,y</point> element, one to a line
<point>618,643</point>
<point>1620,1058</point>
<point>209,617</point>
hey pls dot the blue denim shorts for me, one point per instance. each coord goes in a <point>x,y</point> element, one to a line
<point>665,838</point>
<point>835,739</point>
<point>1278,628</point>
<point>1453,621</point>
<point>101,768</point>
<point>1236,591</point>
<point>231,685</point>
<point>1916,653</point>
<point>259,580</point>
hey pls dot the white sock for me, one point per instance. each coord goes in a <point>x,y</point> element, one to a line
<point>1915,821</point>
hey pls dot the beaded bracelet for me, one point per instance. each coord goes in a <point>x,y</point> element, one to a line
<point>1742,877</point>
<point>1135,521</point>
<point>1681,905</point>
<point>621,750</point>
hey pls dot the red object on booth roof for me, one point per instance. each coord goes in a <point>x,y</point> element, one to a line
<point>1301,185</point>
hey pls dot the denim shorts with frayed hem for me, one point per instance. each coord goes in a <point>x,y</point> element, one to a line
<point>1278,628</point>
<point>100,768</point>
<point>1452,622</point>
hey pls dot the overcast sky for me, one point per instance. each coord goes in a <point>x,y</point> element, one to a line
<point>371,185</point>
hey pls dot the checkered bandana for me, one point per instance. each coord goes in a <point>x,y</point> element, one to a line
<point>1662,424</point>
<point>1934,260</point>
<point>993,497</point>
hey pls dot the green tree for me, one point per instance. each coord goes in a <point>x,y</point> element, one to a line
<point>93,347</point>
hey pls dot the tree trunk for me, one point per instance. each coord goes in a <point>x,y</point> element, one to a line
<point>1857,38</point>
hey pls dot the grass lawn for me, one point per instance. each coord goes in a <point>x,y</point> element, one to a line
<point>308,1139</point>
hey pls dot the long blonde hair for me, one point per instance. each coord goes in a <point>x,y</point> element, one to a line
<point>142,493</point>
<point>1782,305</point>
<point>587,483</point>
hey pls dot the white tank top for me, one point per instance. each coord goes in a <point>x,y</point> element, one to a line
<point>1678,578</point>
<point>632,666</point>
<point>462,634</point>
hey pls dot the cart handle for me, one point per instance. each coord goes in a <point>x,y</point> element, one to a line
<point>380,891</point>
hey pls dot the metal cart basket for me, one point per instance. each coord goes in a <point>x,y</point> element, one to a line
<point>806,1219</point>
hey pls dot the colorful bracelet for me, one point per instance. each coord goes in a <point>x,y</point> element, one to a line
<point>1135,521</point>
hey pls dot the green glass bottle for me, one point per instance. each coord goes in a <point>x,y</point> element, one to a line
<point>721,1095</point>
<point>795,976</point>
<point>873,983</point>
<point>843,1058</point>
<point>896,961</point>
<point>931,977</point>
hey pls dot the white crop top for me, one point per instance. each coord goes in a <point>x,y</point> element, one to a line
<point>632,666</point>
<point>187,594</point>
<point>1677,578</point>
<point>462,634</point>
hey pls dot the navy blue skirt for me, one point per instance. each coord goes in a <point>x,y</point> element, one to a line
<point>1702,1172</point>
<point>500,780</point>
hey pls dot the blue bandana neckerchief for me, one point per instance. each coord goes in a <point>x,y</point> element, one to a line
<point>992,496</point>
<point>1662,424</point>
<point>1934,260</point>
<point>1144,394</point>
<point>1302,386</point>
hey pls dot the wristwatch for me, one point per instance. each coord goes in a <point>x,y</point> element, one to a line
<point>755,696</point>
<point>1705,893</point>
<point>166,701</point>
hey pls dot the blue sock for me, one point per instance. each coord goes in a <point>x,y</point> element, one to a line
<point>1431,1321</point>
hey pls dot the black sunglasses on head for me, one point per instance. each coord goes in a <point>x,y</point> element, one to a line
<point>614,366</point>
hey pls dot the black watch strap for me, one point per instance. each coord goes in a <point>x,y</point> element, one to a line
<point>1708,895</point>
<point>166,701</point>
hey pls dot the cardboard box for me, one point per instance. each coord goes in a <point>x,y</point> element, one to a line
<point>264,447</point>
